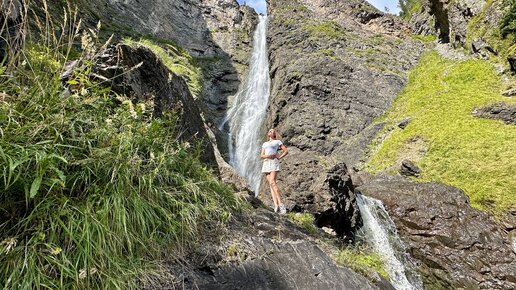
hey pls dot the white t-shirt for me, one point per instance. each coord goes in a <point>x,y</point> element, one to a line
<point>271,147</point>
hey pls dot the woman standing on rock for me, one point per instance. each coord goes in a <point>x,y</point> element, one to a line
<point>271,166</point>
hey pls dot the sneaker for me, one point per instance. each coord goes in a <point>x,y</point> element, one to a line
<point>282,209</point>
<point>276,208</point>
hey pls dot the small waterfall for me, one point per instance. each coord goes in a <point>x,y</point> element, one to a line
<point>245,117</point>
<point>380,233</point>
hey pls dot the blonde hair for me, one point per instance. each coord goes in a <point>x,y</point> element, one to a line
<point>277,136</point>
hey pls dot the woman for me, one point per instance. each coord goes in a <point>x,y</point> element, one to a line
<point>271,166</point>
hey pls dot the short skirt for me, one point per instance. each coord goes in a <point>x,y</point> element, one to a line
<point>270,165</point>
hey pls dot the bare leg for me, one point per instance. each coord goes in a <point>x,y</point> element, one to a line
<point>274,187</point>
<point>273,194</point>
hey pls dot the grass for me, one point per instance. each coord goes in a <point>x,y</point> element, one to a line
<point>304,220</point>
<point>327,29</point>
<point>96,193</point>
<point>362,260</point>
<point>478,29</point>
<point>474,154</point>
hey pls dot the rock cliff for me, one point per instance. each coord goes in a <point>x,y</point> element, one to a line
<point>335,66</point>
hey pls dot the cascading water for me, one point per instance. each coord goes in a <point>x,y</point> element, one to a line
<point>246,116</point>
<point>380,233</point>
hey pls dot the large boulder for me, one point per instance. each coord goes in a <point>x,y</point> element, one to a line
<point>459,247</point>
<point>265,251</point>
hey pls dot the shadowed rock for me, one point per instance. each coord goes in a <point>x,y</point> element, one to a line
<point>12,30</point>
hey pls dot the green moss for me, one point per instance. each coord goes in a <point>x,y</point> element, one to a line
<point>428,38</point>
<point>177,60</point>
<point>328,29</point>
<point>304,220</point>
<point>362,260</point>
<point>474,154</point>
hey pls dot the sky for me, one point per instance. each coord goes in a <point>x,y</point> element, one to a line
<point>392,5</point>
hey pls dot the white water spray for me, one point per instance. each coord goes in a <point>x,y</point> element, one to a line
<point>380,233</point>
<point>246,116</point>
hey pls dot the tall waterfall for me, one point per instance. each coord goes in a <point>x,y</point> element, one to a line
<point>380,233</point>
<point>246,116</point>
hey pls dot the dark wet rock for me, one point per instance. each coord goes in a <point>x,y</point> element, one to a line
<point>499,111</point>
<point>408,168</point>
<point>403,123</point>
<point>459,247</point>
<point>266,251</point>
<point>138,73</point>
<point>12,30</point>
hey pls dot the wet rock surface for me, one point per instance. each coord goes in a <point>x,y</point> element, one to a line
<point>266,251</point>
<point>458,247</point>
<point>500,111</point>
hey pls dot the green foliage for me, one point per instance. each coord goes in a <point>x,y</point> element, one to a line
<point>328,29</point>
<point>508,22</point>
<point>409,7</point>
<point>362,260</point>
<point>177,60</point>
<point>95,192</point>
<point>304,220</point>
<point>474,154</point>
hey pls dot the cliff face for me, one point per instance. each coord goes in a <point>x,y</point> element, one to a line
<point>335,66</point>
<point>463,23</point>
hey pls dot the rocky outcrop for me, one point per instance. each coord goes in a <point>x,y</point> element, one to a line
<point>499,111</point>
<point>12,30</point>
<point>265,251</point>
<point>450,21</point>
<point>139,74</point>
<point>459,247</point>
<point>333,71</point>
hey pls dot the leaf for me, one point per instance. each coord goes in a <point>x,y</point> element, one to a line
<point>35,187</point>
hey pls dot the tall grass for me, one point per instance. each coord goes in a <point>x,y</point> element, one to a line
<point>474,154</point>
<point>95,193</point>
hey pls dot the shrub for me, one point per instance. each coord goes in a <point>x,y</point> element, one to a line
<point>508,22</point>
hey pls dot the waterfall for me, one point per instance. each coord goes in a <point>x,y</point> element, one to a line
<point>245,117</point>
<point>380,233</point>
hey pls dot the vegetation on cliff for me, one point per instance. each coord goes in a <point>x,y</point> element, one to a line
<point>95,191</point>
<point>448,143</point>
